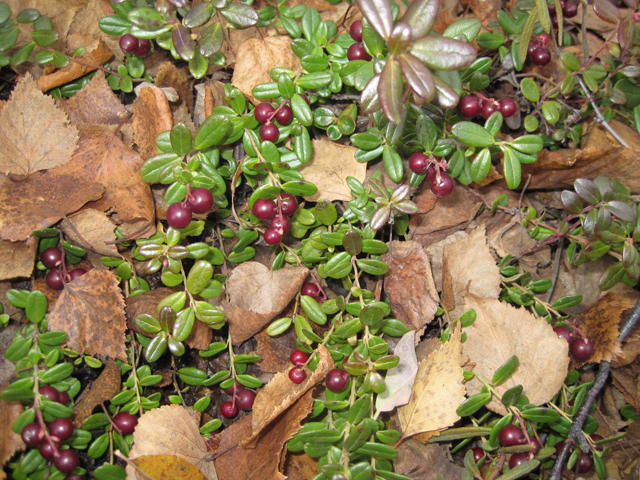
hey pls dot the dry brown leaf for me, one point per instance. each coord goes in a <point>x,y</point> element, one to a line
<point>501,331</point>
<point>170,76</point>
<point>256,57</point>
<point>437,392</point>
<point>627,380</point>
<point>95,103</point>
<point>329,167</point>
<point>468,267</point>
<point>264,461</point>
<point>165,467</point>
<point>400,379</point>
<point>280,393</point>
<point>95,229</point>
<point>103,388</point>
<point>409,284</point>
<point>17,258</point>
<point>273,351</point>
<point>85,28</point>
<point>151,116</point>
<point>630,350</point>
<point>7,367</point>
<point>300,466</point>
<point>91,311</point>
<point>10,442</point>
<point>34,133</point>
<point>171,430</point>
<point>425,462</point>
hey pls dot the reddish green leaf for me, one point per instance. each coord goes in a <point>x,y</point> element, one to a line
<point>378,13</point>
<point>445,95</point>
<point>418,76</point>
<point>420,16</point>
<point>390,90</point>
<point>606,11</point>
<point>369,99</point>
<point>183,43</point>
<point>444,53</point>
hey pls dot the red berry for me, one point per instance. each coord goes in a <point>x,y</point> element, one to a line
<point>76,272</point>
<point>50,392</point>
<point>144,47</point>
<point>357,52</point>
<point>419,163</point>
<point>280,223</point>
<point>533,46</point>
<point>310,289</point>
<point>585,463</point>
<point>298,358</point>
<point>564,332</point>
<point>263,112</point>
<point>61,428</point>
<point>552,9</point>
<point>356,31</point>
<point>570,10</point>
<point>469,106</point>
<point>264,209</point>
<point>229,409</point>
<point>51,257</point>
<point>507,107</point>
<point>236,387</point>
<point>488,107</point>
<point>297,375</point>
<point>543,38</point>
<point>269,132</point>
<point>595,437</point>
<point>32,434</point>
<point>518,459</point>
<point>285,115</point>
<point>478,454</point>
<point>510,435</point>
<point>63,398</point>
<point>541,57</point>
<point>558,446</point>
<point>289,204</point>
<point>67,461</point>
<point>200,200</point>
<point>54,280</point>
<point>336,380</point>
<point>272,236</point>
<point>442,186</point>
<point>431,174</point>
<point>554,20</point>
<point>178,216</point>
<point>128,43</point>
<point>304,97</point>
<point>245,399</point>
<point>126,422</point>
<point>48,449</point>
<point>581,349</point>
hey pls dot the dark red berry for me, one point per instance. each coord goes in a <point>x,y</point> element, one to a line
<point>272,236</point>
<point>443,185</point>
<point>280,223</point>
<point>581,349</point>
<point>229,409</point>
<point>289,204</point>
<point>61,428</point>
<point>431,174</point>
<point>570,10</point>
<point>518,459</point>
<point>357,52</point>
<point>51,257</point>
<point>510,435</point>
<point>32,434</point>
<point>419,163</point>
<point>236,387</point>
<point>178,215</point>
<point>128,43</point>
<point>298,358</point>
<point>144,47</point>
<point>304,97</point>
<point>263,112</point>
<point>54,280</point>
<point>269,132</point>
<point>356,31</point>
<point>595,437</point>
<point>554,21</point>
<point>488,107</point>
<point>552,9</point>
<point>264,209</point>
<point>75,477</point>
<point>469,106</point>
<point>67,461</point>
<point>76,272</point>
<point>584,463</point>
<point>297,375</point>
<point>63,398</point>
<point>284,115</point>
<point>245,399</point>
<point>564,332</point>
<point>200,200</point>
<point>478,454</point>
<point>536,445</point>
<point>310,289</point>
<point>558,446</point>
<point>541,57</point>
<point>543,38</point>
<point>48,449</point>
<point>125,422</point>
<point>507,107</point>
<point>533,46</point>
<point>50,392</point>
<point>336,380</point>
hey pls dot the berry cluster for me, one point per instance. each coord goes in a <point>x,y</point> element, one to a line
<point>265,113</point>
<point>242,398</point>
<point>357,50</point>
<point>580,347</point>
<point>137,46</point>
<point>537,51</point>
<point>199,200</point>
<point>52,258</point>
<point>60,429</point>
<point>299,359</point>
<point>441,183</point>
<point>471,105</point>
<point>278,215</point>
<point>569,10</point>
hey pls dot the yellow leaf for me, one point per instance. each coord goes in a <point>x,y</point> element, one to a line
<point>167,467</point>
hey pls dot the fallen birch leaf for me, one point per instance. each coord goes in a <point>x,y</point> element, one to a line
<point>17,258</point>
<point>95,103</point>
<point>151,116</point>
<point>10,442</point>
<point>103,388</point>
<point>165,467</point>
<point>425,462</point>
<point>95,228</point>
<point>400,379</point>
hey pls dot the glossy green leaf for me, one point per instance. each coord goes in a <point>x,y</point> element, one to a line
<point>443,53</point>
<point>472,134</point>
<point>212,131</point>
<point>378,14</point>
<point>420,16</point>
<point>512,168</point>
<point>240,15</point>
<point>505,370</point>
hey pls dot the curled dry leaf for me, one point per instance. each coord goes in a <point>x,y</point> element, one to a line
<point>502,331</point>
<point>165,467</point>
<point>95,228</point>
<point>409,284</point>
<point>329,167</point>
<point>426,462</point>
<point>151,116</point>
<point>468,267</point>
<point>34,133</point>
<point>171,430</point>
<point>274,351</point>
<point>10,442</point>
<point>103,388</point>
<point>400,379</point>
<point>17,258</point>
<point>437,392</point>
<point>91,311</point>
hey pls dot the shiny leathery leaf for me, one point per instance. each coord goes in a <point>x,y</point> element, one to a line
<point>472,134</point>
<point>540,414</point>
<point>571,202</point>
<point>198,15</point>
<point>192,376</point>
<point>378,13</point>
<point>606,11</point>
<point>199,276</point>
<point>184,324</point>
<point>512,168</point>
<point>472,404</point>
<point>418,76</point>
<point>114,25</point>
<point>313,310</point>
<point>587,191</point>
<point>443,53</point>
<point>378,451</point>
<point>57,373</point>
<point>392,163</point>
<point>390,90</point>
<point>520,470</point>
<point>621,210</point>
<point>372,266</point>
<point>212,131</point>
<point>505,370</point>
<point>420,16</point>
<point>240,15</point>
<point>338,266</point>
<point>369,98</point>
<point>146,18</point>
<point>528,143</point>
<point>183,43</point>
<point>511,396</point>
<point>460,433</point>
<point>181,141</point>
<point>481,165</point>
<point>211,39</point>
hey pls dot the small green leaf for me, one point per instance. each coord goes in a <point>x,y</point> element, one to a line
<point>472,134</point>
<point>472,404</point>
<point>505,370</point>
